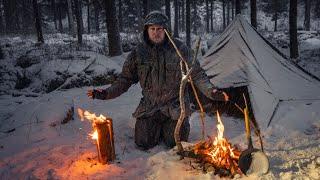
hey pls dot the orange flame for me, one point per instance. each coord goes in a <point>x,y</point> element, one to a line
<point>218,151</point>
<point>222,147</point>
<point>90,116</point>
<point>94,135</point>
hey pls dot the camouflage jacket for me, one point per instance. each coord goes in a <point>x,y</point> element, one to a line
<point>157,69</point>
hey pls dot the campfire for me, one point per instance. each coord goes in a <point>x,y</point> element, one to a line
<point>102,134</point>
<point>217,154</point>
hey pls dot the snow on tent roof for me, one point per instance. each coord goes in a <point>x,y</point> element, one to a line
<point>242,57</point>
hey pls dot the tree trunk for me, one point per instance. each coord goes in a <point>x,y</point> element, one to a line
<point>1,22</point>
<point>293,30</point>
<point>188,22</point>
<point>182,16</point>
<point>207,16</point>
<point>81,22</point>
<point>96,14</point>
<point>25,16</point>
<point>78,13</point>
<point>120,16</point>
<point>253,7</point>
<point>60,16</point>
<point>224,13</point>
<point>194,4</point>
<point>146,7</point>
<point>72,29</point>
<point>88,17</point>
<point>228,12</point>
<point>168,12</point>
<point>211,15</point>
<point>176,19</point>
<point>232,9</point>
<point>112,28</point>
<point>37,17</point>
<point>139,15</point>
<point>275,3</point>
<point>54,10</point>
<point>9,8</point>
<point>238,7</point>
<point>16,16</point>
<point>307,15</point>
<point>317,10</point>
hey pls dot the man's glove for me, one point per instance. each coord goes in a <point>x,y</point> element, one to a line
<point>96,94</point>
<point>219,95</point>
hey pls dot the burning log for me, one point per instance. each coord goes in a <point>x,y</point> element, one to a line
<point>105,142</point>
<point>103,134</point>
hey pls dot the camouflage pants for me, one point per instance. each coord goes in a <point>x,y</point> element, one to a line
<point>150,131</point>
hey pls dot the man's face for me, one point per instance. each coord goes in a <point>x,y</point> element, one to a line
<point>156,33</point>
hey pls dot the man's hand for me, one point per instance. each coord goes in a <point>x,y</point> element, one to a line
<point>220,95</point>
<point>93,93</point>
<point>226,97</point>
<point>90,94</point>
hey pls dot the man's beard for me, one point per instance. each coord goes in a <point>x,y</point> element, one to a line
<point>157,41</point>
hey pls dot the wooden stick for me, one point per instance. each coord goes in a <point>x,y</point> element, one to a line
<point>183,83</point>
<point>202,114</point>
<point>254,124</point>
<point>191,82</point>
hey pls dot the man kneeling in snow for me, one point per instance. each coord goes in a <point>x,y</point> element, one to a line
<point>155,64</point>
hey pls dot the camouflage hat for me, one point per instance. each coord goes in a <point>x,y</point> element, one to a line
<point>156,17</point>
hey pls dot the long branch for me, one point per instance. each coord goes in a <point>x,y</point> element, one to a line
<point>183,82</point>
<point>202,115</point>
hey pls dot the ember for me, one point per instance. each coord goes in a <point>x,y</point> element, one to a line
<point>219,153</point>
<point>102,133</point>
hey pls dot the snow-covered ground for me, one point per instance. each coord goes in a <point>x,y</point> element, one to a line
<point>35,144</point>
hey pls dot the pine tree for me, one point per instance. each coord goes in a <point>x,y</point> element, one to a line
<point>112,28</point>
<point>211,15</point>
<point>1,20</point>
<point>78,13</point>
<point>9,14</point>
<point>228,12</point>
<point>307,15</point>
<point>188,22</point>
<point>168,11</point>
<point>238,6</point>
<point>224,13</point>
<point>96,14</point>
<point>72,29</point>
<point>207,16</point>
<point>253,7</point>
<point>88,16</point>
<point>120,16</point>
<point>194,4</point>
<point>293,30</point>
<point>176,19</point>
<point>60,16</point>
<point>54,12</point>
<point>37,17</point>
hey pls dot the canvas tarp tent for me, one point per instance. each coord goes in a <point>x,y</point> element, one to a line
<point>277,87</point>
